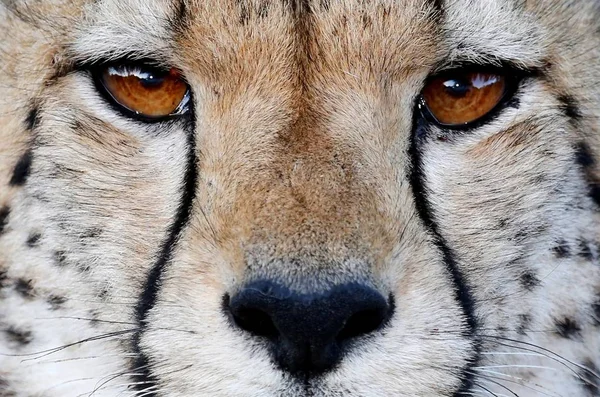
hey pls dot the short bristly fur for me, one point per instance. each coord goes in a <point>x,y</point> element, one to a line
<point>302,161</point>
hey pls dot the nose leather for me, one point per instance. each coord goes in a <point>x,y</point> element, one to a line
<point>309,333</point>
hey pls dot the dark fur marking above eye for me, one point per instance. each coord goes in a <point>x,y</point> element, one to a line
<point>22,169</point>
<point>33,240</point>
<point>529,281</point>
<point>56,301</point>
<point>179,20</point>
<point>4,212</point>
<point>18,336</point>
<point>24,288</point>
<point>588,378</point>
<point>570,107</point>
<point>568,328</point>
<point>562,249</point>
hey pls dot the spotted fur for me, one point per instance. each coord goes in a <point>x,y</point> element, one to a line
<point>304,160</point>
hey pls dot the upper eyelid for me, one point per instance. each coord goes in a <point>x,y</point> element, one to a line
<point>131,61</point>
<point>447,68</point>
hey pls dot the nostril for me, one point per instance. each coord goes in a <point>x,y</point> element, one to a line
<point>256,322</point>
<point>308,332</point>
<point>362,323</point>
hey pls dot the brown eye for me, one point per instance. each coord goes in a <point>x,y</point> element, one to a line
<point>462,99</point>
<point>145,91</point>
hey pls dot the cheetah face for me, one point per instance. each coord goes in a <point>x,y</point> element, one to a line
<point>295,198</point>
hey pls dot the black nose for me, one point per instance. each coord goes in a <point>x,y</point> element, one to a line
<point>309,332</point>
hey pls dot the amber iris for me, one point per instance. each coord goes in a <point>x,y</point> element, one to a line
<point>145,91</point>
<point>460,99</point>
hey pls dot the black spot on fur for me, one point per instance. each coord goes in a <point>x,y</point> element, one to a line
<point>33,240</point>
<point>56,301</point>
<point>588,377</point>
<point>18,336</point>
<point>502,330</point>
<point>94,318</point>
<point>524,324</point>
<point>570,107</point>
<point>568,328</point>
<point>596,312</point>
<point>5,389</point>
<point>91,233</point>
<point>4,212</point>
<point>529,281</point>
<point>583,155</point>
<point>84,267</point>
<point>3,279</point>
<point>585,159</point>
<point>585,251</point>
<point>562,250</point>
<point>33,118</point>
<point>104,293</point>
<point>595,192</point>
<point>24,288</point>
<point>21,171</point>
<point>60,258</point>
<point>521,234</point>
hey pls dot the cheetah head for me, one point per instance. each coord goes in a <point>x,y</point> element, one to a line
<point>303,198</point>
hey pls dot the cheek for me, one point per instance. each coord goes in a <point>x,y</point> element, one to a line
<point>500,199</point>
<point>107,195</point>
<point>519,176</point>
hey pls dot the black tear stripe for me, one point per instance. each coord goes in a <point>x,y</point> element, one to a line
<point>144,378</point>
<point>33,117</point>
<point>22,169</point>
<point>4,212</point>
<point>463,294</point>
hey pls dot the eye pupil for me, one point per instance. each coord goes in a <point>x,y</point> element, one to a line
<point>152,81</point>
<point>457,88</point>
